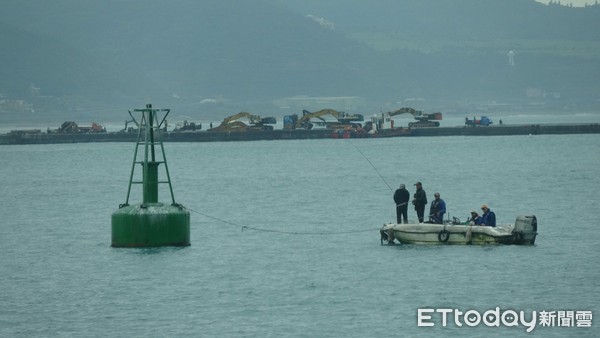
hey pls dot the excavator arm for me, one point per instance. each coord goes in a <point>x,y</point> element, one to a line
<point>341,117</point>
<point>424,119</point>
<point>401,111</point>
<point>238,116</point>
<point>231,123</point>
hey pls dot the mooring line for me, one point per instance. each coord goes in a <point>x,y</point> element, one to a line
<point>243,227</point>
<point>372,165</point>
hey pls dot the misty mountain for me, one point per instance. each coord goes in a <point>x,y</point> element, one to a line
<point>97,55</point>
<point>458,19</point>
<point>158,50</point>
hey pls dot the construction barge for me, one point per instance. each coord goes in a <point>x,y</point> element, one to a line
<point>322,124</point>
<point>38,137</point>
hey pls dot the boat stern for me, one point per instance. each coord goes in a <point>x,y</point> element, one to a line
<point>387,233</point>
<point>525,230</point>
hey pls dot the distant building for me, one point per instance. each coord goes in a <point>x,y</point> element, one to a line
<point>535,93</point>
<point>314,103</point>
<point>34,91</point>
<point>511,58</point>
<point>16,106</point>
<point>321,21</point>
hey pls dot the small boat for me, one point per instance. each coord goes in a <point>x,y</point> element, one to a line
<point>522,232</point>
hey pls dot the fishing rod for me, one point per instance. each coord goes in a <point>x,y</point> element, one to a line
<point>372,165</point>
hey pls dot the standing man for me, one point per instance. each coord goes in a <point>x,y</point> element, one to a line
<point>489,217</point>
<point>420,201</point>
<point>401,197</point>
<point>437,209</point>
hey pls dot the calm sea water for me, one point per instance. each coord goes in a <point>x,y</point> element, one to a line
<point>60,277</point>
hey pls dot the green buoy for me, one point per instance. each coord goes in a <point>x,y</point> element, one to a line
<point>150,224</point>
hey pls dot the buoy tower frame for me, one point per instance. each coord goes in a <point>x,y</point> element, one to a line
<point>151,223</point>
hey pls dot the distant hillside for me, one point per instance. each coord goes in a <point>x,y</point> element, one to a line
<point>59,68</point>
<point>99,56</point>
<point>458,19</point>
<point>462,46</point>
<point>191,50</point>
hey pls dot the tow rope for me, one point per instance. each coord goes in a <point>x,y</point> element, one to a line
<point>244,227</point>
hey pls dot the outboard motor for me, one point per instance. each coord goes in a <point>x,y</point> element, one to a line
<point>525,230</point>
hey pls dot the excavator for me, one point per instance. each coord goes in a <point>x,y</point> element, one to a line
<point>231,123</point>
<point>130,129</point>
<point>70,127</point>
<point>424,120</point>
<point>344,120</point>
<point>187,126</point>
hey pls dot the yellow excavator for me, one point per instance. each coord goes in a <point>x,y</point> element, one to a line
<point>423,120</point>
<point>256,122</point>
<point>343,120</point>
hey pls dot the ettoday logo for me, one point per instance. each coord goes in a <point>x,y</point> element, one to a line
<point>497,317</point>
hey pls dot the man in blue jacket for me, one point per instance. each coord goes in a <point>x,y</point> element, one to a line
<point>489,217</point>
<point>437,209</point>
<point>475,219</point>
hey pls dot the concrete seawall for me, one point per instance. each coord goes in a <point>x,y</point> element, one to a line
<point>529,129</point>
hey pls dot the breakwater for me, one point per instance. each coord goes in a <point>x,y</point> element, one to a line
<point>508,129</point>
<point>298,134</point>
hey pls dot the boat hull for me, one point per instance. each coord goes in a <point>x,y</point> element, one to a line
<point>522,232</point>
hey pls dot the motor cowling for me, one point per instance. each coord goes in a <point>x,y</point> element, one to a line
<point>525,230</point>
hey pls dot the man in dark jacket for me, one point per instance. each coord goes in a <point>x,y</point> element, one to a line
<point>420,201</point>
<point>401,197</point>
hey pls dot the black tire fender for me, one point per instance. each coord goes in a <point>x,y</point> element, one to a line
<point>443,236</point>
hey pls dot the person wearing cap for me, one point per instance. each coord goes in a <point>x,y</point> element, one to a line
<point>489,217</point>
<point>420,201</point>
<point>437,209</point>
<point>475,218</point>
<point>401,197</point>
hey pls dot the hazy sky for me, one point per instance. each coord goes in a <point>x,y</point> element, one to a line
<point>577,3</point>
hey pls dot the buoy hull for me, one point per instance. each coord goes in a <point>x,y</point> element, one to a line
<point>151,225</point>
